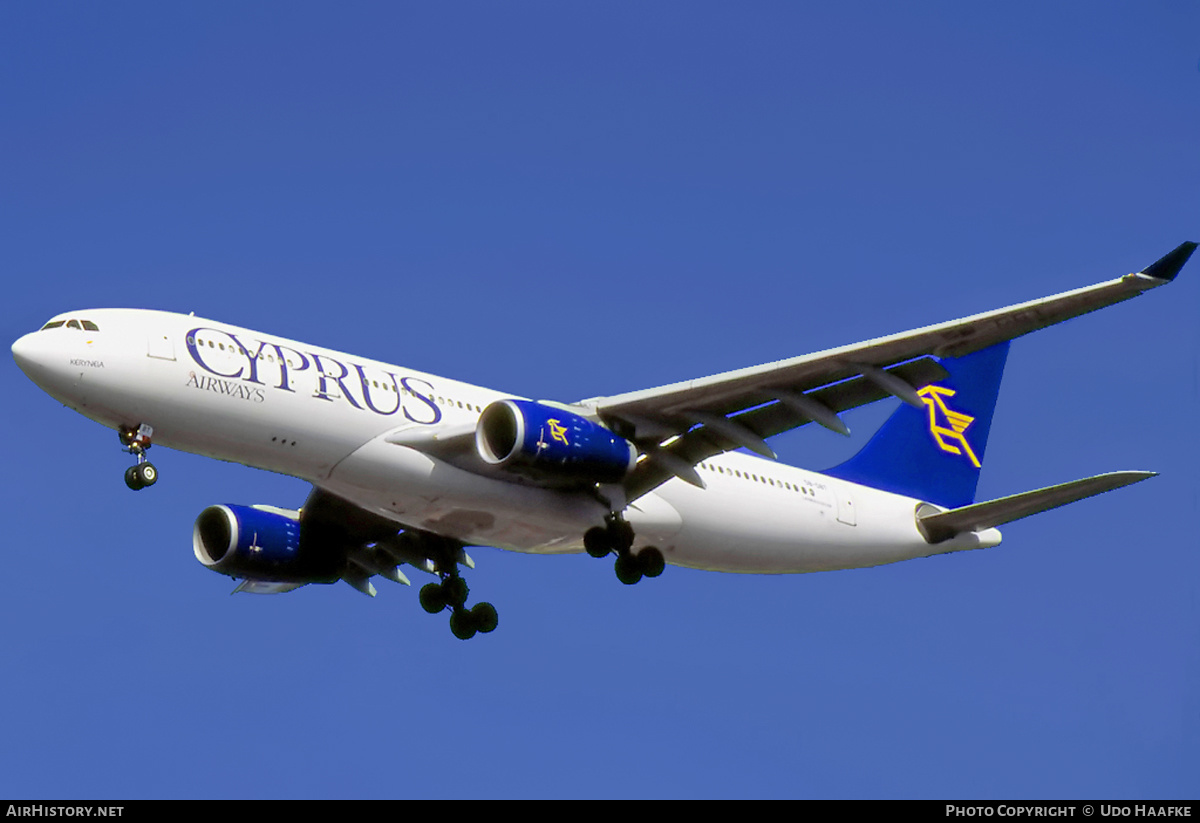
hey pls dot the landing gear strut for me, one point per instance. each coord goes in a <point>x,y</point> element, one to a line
<point>616,535</point>
<point>452,592</point>
<point>136,441</point>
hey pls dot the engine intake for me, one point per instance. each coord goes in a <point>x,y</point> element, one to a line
<point>551,445</point>
<point>258,544</point>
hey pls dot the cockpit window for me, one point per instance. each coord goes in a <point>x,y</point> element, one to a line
<point>72,324</point>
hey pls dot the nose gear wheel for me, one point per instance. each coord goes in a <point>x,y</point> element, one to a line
<point>136,440</point>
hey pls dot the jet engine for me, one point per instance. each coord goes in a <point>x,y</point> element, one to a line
<point>551,445</point>
<point>259,543</point>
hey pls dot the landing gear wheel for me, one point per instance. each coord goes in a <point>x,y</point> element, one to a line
<point>433,599</point>
<point>620,535</point>
<point>596,542</point>
<point>456,590</point>
<point>651,561</point>
<point>629,571</point>
<point>132,480</point>
<point>146,473</point>
<point>485,618</point>
<point>462,624</point>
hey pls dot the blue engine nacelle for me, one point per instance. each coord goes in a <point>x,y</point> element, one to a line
<point>258,544</point>
<point>551,445</point>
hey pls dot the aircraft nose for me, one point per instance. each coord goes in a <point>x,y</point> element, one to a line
<point>25,352</point>
<point>34,353</point>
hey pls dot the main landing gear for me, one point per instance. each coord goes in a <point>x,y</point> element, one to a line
<point>616,535</point>
<point>136,441</point>
<point>452,592</point>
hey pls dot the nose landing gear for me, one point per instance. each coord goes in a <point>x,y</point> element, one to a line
<point>136,441</point>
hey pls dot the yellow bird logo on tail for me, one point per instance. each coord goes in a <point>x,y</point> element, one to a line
<point>953,426</point>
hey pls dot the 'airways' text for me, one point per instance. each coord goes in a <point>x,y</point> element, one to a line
<point>227,387</point>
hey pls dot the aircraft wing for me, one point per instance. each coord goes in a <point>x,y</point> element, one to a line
<point>678,425</point>
<point>681,424</point>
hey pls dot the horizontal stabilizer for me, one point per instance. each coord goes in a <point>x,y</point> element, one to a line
<point>941,526</point>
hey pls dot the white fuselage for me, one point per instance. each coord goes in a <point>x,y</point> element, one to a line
<point>323,416</point>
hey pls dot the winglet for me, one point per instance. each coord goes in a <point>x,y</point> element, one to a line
<point>1167,266</point>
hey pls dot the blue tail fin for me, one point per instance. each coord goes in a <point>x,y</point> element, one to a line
<point>935,453</point>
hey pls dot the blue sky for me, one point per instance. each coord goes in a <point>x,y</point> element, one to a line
<point>566,200</point>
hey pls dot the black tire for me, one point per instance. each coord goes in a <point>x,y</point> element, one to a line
<point>596,542</point>
<point>651,561</point>
<point>132,480</point>
<point>433,599</point>
<point>621,535</point>
<point>462,624</point>
<point>629,571</point>
<point>485,618</point>
<point>457,591</point>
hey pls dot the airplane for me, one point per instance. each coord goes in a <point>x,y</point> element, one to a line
<point>411,468</point>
